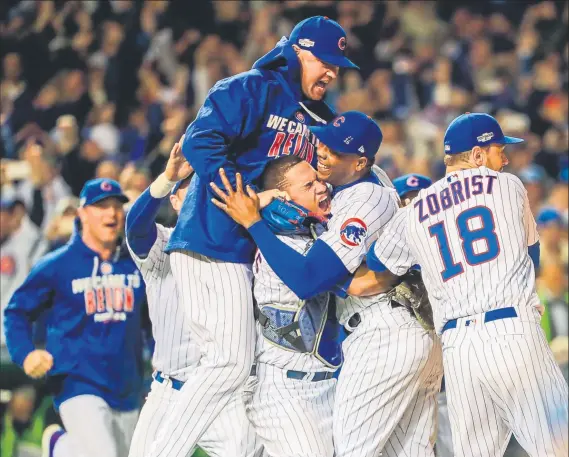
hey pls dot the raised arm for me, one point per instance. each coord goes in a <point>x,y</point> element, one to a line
<point>140,226</point>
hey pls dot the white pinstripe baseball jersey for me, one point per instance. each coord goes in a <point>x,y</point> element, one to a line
<point>359,213</point>
<point>268,288</point>
<point>469,232</point>
<point>174,353</point>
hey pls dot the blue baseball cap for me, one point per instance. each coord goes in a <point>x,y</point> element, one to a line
<point>549,216</point>
<point>324,38</point>
<point>474,129</point>
<point>351,132</point>
<point>411,182</point>
<point>98,189</point>
<point>532,174</point>
<point>6,203</point>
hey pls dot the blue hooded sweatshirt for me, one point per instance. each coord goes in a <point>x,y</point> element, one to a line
<point>93,322</point>
<point>245,121</point>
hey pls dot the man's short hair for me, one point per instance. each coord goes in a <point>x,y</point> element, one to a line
<point>273,176</point>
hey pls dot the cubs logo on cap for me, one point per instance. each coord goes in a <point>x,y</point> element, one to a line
<point>353,232</point>
<point>98,189</point>
<point>106,186</point>
<point>325,38</point>
<point>339,120</point>
<point>411,182</point>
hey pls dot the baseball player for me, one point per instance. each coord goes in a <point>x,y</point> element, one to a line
<point>175,354</point>
<point>245,121</point>
<point>93,357</point>
<point>291,406</point>
<point>390,376</point>
<point>473,234</point>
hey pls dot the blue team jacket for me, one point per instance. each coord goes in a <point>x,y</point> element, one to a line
<point>246,120</point>
<point>93,322</point>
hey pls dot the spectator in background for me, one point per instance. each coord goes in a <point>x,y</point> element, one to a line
<point>21,245</point>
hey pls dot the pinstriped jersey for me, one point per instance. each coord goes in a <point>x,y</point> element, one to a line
<point>173,351</point>
<point>269,289</point>
<point>367,206</point>
<point>470,233</point>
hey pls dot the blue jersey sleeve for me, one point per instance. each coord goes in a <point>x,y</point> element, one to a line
<point>25,306</point>
<point>140,228</point>
<point>534,252</point>
<point>304,275</point>
<point>231,111</point>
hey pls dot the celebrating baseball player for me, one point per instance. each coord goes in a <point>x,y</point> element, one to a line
<point>385,396</point>
<point>93,354</point>
<point>473,234</point>
<point>174,352</point>
<point>246,121</point>
<point>296,352</point>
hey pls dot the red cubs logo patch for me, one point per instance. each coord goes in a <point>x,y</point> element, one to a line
<point>299,116</point>
<point>342,43</point>
<point>106,186</point>
<point>7,265</point>
<point>353,232</point>
<point>106,268</point>
<point>339,120</point>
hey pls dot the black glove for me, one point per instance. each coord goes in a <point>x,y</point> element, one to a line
<point>412,294</point>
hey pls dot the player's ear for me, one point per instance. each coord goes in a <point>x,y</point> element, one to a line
<point>478,156</point>
<point>82,215</point>
<point>175,202</point>
<point>296,49</point>
<point>361,163</point>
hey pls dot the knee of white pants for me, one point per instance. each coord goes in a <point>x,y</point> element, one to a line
<point>88,423</point>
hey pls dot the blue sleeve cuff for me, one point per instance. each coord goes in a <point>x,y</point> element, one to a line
<point>341,289</point>
<point>372,261</point>
<point>141,229</point>
<point>304,275</point>
<point>534,253</point>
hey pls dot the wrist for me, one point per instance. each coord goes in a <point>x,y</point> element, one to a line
<point>161,186</point>
<point>253,222</point>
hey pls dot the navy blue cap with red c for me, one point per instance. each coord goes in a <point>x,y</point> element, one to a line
<point>351,132</point>
<point>474,129</point>
<point>98,189</point>
<point>325,38</point>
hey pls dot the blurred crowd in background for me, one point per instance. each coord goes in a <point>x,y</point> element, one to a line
<point>105,88</point>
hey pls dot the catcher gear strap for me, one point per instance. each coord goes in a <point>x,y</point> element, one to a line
<point>288,218</point>
<point>302,328</point>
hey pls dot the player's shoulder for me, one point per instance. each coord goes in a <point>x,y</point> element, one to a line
<point>249,81</point>
<point>365,191</point>
<point>510,178</point>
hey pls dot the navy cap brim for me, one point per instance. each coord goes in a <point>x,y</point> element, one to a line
<point>511,140</point>
<point>121,197</point>
<point>326,136</point>
<point>339,61</point>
